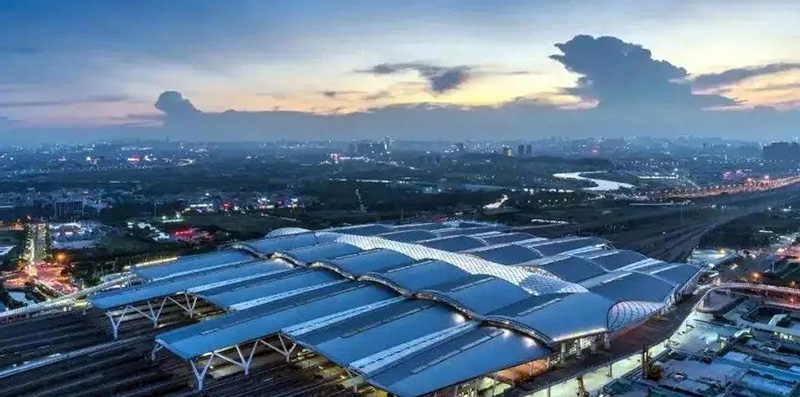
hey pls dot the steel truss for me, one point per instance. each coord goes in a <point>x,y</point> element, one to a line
<point>355,378</point>
<point>153,311</point>
<point>201,365</point>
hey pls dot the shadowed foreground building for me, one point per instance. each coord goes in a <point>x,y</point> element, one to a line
<point>447,308</point>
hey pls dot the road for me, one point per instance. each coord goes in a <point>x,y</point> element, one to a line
<point>36,246</point>
<point>46,277</point>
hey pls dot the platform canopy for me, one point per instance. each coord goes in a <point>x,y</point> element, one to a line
<point>179,284</point>
<point>192,264</point>
<point>410,308</point>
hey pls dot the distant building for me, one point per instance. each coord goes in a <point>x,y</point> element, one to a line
<point>368,148</point>
<point>529,150</point>
<point>781,151</point>
<point>68,208</point>
<point>507,151</point>
<point>521,150</point>
<point>461,147</point>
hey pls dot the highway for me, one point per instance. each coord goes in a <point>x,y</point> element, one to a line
<point>748,186</point>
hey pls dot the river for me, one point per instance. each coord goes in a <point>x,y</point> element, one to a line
<point>602,184</point>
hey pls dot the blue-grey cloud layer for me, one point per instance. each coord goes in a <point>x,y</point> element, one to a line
<point>635,94</point>
<point>733,76</point>
<point>440,78</point>
<point>60,102</point>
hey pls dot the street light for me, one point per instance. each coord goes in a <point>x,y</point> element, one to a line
<point>756,276</point>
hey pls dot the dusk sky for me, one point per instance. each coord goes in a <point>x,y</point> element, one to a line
<point>262,70</point>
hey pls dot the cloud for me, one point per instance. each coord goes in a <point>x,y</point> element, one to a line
<point>440,79</point>
<point>507,72</point>
<point>375,96</point>
<point>172,103</point>
<point>733,76</point>
<point>779,87</point>
<point>142,117</point>
<point>69,101</point>
<point>19,50</point>
<point>620,74</point>
<point>634,94</point>
<point>6,121</point>
<point>333,94</point>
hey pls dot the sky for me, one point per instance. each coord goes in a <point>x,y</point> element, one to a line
<point>77,70</point>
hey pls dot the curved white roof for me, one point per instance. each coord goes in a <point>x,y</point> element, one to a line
<point>408,317</point>
<point>558,317</point>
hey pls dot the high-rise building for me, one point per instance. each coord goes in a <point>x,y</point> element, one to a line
<point>529,150</point>
<point>521,150</point>
<point>507,151</point>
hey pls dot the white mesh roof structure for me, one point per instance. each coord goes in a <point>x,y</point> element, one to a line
<point>625,313</point>
<point>532,280</point>
<point>509,254</point>
<point>410,313</point>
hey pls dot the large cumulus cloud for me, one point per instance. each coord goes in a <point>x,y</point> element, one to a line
<point>172,103</point>
<point>619,74</point>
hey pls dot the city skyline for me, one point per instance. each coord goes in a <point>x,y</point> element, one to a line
<point>425,70</point>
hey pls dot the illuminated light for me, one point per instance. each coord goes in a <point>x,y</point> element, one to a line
<point>580,334</point>
<point>61,257</point>
<point>157,261</point>
<point>459,318</point>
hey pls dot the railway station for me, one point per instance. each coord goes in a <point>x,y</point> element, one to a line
<point>450,308</point>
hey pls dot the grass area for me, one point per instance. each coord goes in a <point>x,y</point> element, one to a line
<point>11,237</point>
<point>120,245</point>
<point>240,226</point>
<point>113,253</point>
